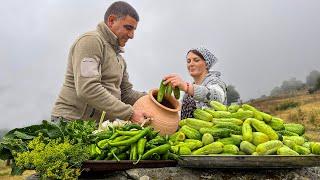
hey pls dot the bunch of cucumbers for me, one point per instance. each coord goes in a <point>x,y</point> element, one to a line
<point>166,90</point>
<point>240,130</point>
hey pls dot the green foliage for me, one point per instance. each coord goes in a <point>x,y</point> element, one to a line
<point>287,86</point>
<point>317,86</point>
<point>276,91</point>
<point>313,78</point>
<point>232,94</point>
<point>7,146</point>
<point>17,140</point>
<point>77,129</point>
<point>292,84</point>
<point>53,158</point>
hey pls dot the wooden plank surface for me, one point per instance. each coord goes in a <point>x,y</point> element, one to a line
<point>112,165</point>
<point>246,161</point>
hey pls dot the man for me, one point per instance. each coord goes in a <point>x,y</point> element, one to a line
<point>96,79</point>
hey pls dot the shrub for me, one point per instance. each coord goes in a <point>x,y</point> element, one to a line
<point>286,105</point>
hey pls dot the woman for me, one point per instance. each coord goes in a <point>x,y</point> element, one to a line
<point>207,85</point>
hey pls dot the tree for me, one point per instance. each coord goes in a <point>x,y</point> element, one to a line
<point>311,79</point>
<point>276,91</point>
<point>263,96</point>
<point>318,84</point>
<point>232,94</point>
<point>292,85</point>
<point>314,88</point>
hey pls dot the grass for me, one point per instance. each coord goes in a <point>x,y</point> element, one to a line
<point>300,108</point>
<point>296,115</point>
<point>4,170</point>
<point>313,116</point>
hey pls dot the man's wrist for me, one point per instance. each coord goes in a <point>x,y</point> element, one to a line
<point>131,114</point>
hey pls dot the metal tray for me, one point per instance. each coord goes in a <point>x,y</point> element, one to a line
<point>112,165</point>
<point>248,161</point>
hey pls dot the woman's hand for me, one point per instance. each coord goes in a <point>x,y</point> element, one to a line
<point>175,81</point>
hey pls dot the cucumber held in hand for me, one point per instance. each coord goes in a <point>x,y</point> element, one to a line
<point>161,92</point>
<point>168,90</point>
<point>176,92</point>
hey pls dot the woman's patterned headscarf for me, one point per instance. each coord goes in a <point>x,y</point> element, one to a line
<point>209,58</point>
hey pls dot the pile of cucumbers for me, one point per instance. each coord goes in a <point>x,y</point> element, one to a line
<point>239,130</point>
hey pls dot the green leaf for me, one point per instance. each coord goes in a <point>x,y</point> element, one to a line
<point>53,130</point>
<point>30,130</point>
<point>16,170</point>
<point>22,135</point>
<point>4,153</point>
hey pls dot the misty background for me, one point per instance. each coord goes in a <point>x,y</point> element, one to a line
<point>259,44</point>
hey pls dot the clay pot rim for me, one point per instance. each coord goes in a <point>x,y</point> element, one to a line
<point>173,101</point>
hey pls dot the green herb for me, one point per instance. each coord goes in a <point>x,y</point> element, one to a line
<point>53,158</point>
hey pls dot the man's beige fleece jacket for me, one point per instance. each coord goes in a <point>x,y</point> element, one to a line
<point>96,80</point>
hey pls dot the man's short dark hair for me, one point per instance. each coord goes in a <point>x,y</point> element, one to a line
<point>121,9</point>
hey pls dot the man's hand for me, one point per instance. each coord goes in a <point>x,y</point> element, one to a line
<point>138,116</point>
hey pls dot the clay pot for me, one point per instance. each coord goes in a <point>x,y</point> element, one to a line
<point>165,115</point>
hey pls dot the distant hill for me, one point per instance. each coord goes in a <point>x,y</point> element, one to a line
<point>299,107</point>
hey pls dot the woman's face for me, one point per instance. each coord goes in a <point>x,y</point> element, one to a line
<point>196,66</point>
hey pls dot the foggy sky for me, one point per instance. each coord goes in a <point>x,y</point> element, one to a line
<point>259,43</point>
